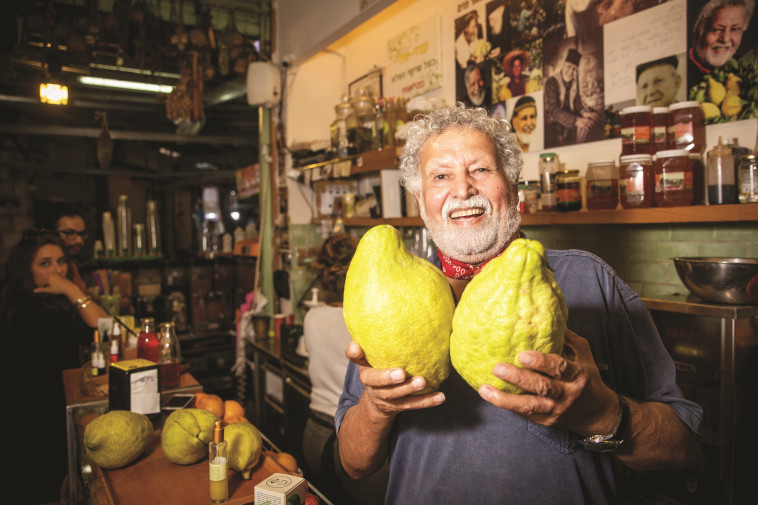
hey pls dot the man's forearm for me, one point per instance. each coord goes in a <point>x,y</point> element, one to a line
<point>363,440</point>
<point>656,439</point>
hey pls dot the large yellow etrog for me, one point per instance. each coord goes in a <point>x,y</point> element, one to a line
<point>512,305</point>
<point>399,307</point>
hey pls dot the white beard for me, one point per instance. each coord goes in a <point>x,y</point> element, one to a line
<point>477,244</point>
<point>524,139</point>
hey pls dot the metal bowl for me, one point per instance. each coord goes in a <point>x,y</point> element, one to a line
<point>721,280</point>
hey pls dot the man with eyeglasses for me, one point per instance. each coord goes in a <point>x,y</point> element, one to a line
<point>72,228</point>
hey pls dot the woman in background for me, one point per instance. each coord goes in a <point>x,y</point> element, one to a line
<point>326,338</point>
<point>44,320</point>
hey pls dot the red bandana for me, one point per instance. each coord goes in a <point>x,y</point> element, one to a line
<point>459,270</point>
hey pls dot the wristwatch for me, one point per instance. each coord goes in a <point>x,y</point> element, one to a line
<point>613,440</point>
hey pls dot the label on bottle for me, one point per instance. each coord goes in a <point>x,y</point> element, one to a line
<point>218,469</point>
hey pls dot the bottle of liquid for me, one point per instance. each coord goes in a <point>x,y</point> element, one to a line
<point>124,227</point>
<point>169,356</point>
<point>148,343</point>
<point>95,354</point>
<point>117,337</point>
<point>114,350</point>
<point>109,235</point>
<point>153,230</point>
<point>548,170</point>
<point>217,454</point>
<point>720,177</point>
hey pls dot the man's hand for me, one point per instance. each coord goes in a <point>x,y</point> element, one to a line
<point>389,391</point>
<point>565,390</point>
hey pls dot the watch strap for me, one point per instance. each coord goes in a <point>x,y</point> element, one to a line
<point>613,440</point>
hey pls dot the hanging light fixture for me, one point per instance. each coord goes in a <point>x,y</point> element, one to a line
<point>53,88</point>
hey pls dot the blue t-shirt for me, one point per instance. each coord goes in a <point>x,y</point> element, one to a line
<point>469,451</point>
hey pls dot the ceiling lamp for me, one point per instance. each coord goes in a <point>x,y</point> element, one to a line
<point>130,85</point>
<point>53,93</point>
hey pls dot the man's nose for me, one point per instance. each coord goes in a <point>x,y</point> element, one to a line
<point>464,188</point>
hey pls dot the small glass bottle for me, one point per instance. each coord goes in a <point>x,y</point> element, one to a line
<point>636,181</point>
<point>95,353</point>
<point>548,169</point>
<point>217,457</point>
<point>138,239</point>
<point>153,230</point>
<point>673,178</point>
<point>568,190</point>
<point>169,356</point>
<point>124,228</point>
<point>109,235</point>
<point>748,179</point>
<point>148,343</point>
<point>721,185</point>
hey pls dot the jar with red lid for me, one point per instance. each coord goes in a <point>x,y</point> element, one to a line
<point>698,178</point>
<point>673,178</point>
<point>686,126</point>
<point>636,181</point>
<point>602,186</point>
<point>660,129</point>
<point>636,126</point>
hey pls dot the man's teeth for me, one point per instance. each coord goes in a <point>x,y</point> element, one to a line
<point>465,213</point>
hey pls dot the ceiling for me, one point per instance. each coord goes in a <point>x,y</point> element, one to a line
<point>210,128</point>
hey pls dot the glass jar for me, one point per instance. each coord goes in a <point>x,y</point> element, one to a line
<point>532,197</point>
<point>602,185</point>
<point>698,178</point>
<point>636,181</point>
<point>721,184</point>
<point>568,190</point>
<point>686,126</point>
<point>169,356</point>
<point>365,116</point>
<point>148,342</point>
<point>345,127</point>
<point>673,178</point>
<point>660,129</point>
<point>636,126</point>
<point>549,165</point>
<point>748,179</point>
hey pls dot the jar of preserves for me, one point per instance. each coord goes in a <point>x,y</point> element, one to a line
<point>686,126</point>
<point>532,197</point>
<point>636,181</point>
<point>660,129</point>
<point>673,178</point>
<point>568,190</point>
<point>636,126</point>
<point>698,178</point>
<point>602,186</point>
<point>549,165</point>
<point>748,179</point>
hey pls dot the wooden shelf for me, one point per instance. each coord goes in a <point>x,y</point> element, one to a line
<point>692,214</point>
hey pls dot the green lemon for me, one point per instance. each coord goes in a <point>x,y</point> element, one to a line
<point>186,434</point>
<point>117,438</point>
<point>512,305</point>
<point>399,307</point>
<point>245,446</point>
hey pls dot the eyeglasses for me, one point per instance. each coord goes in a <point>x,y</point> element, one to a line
<point>73,233</point>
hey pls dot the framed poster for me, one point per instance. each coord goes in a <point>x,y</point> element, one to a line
<point>372,81</point>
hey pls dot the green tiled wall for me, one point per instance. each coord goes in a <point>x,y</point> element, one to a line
<point>641,254</point>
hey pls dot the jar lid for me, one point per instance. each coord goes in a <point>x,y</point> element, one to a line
<point>600,162</point>
<point>684,105</point>
<point>547,155</point>
<point>636,157</point>
<point>634,109</point>
<point>660,110</point>
<point>670,153</point>
<point>568,172</point>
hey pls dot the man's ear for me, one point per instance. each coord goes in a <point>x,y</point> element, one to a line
<point>678,79</point>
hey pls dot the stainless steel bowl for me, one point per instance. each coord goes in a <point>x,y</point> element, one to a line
<point>720,280</point>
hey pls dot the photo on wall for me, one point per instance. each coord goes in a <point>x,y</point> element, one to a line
<point>526,118</point>
<point>722,58</point>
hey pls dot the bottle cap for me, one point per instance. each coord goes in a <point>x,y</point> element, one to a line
<point>116,330</point>
<point>96,337</point>
<point>218,431</point>
<point>720,150</point>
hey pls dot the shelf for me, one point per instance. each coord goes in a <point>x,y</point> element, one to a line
<point>691,214</point>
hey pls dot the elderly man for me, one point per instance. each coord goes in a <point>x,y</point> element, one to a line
<point>477,91</point>
<point>658,82</point>
<point>568,120</point>
<point>609,398</point>
<point>524,120</point>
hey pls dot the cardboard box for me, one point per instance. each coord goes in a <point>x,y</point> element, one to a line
<point>134,385</point>
<point>280,489</point>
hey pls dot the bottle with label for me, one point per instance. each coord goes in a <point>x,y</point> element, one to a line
<point>169,356</point>
<point>636,130</point>
<point>748,179</point>
<point>148,342</point>
<point>568,190</point>
<point>217,456</point>
<point>673,178</point>
<point>123,228</point>
<point>109,235</point>
<point>548,169</point>
<point>95,353</point>
<point>602,186</point>
<point>636,181</point>
<point>153,230</point>
<point>721,184</point>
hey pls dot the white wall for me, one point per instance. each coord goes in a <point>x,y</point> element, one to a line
<point>315,86</point>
